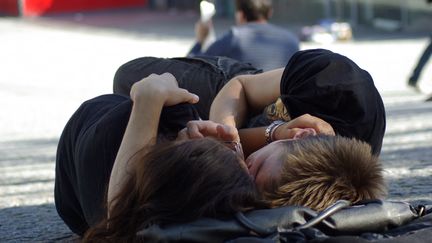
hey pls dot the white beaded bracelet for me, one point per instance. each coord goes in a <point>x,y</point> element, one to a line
<point>271,129</point>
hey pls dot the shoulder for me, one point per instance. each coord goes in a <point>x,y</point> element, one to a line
<point>102,109</point>
<point>230,34</point>
<point>281,30</point>
<point>106,99</point>
<point>84,126</point>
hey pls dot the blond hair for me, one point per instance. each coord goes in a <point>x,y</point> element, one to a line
<point>318,171</point>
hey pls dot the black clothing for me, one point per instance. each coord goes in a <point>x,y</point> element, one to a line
<point>332,87</point>
<point>203,76</point>
<point>89,143</point>
<point>85,156</point>
<point>87,150</point>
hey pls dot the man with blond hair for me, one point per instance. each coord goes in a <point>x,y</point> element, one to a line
<point>319,170</point>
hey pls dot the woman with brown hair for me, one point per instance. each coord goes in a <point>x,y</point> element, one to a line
<point>155,183</point>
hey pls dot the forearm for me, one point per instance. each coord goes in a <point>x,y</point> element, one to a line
<point>230,105</point>
<point>140,132</point>
<point>252,139</point>
<point>244,96</point>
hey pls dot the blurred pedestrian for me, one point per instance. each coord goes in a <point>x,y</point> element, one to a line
<point>413,80</point>
<point>252,40</point>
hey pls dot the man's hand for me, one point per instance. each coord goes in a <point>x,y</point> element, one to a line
<point>202,30</point>
<point>291,128</point>
<point>163,88</point>
<point>200,129</point>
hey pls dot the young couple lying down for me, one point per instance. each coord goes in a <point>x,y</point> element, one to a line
<point>209,137</point>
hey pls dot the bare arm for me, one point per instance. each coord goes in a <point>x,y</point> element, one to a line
<point>248,94</point>
<point>243,95</point>
<point>149,96</point>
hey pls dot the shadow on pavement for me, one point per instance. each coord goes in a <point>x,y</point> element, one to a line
<point>37,152</point>
<point>34,224</point>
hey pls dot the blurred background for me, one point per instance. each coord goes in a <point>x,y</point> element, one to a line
<point>55,54</point>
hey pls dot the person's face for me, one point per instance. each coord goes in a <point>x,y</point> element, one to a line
<point>265,164</point>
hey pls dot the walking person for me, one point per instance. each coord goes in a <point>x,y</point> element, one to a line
<point>253,40</point>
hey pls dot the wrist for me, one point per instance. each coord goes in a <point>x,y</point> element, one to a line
<point>146,99</point>
<point>270,132</point>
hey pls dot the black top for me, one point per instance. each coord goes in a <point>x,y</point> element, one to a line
<point>90,141</point>
<point>333,88</point>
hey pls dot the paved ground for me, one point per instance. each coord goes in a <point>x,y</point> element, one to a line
<point>51,65</point>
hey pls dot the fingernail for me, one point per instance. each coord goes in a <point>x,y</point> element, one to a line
<point>196,97</point>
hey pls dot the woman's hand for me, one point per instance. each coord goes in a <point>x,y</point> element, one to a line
<point>289,129</point>
<point>200,129</point>
<point>148,95</point>
<point>163,88</point>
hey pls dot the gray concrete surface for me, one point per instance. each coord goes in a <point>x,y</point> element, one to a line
<point>49,66</point>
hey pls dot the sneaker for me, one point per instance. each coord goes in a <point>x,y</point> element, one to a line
<point>412,82</point>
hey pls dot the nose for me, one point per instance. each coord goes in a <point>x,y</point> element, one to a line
<point>304,133</point>
<point>248,162</point>
<point>254,165</point>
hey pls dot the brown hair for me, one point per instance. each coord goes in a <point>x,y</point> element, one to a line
<point>318,171</point>
<point>255,9</point>
<point>177,182</point>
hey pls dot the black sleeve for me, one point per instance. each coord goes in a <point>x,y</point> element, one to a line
<point>333,88</point>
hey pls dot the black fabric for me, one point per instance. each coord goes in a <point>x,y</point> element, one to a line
<point>84,161</point>
<point>91,138</point>
<point>333,88</point>
<point>203,76</point>
<point>87,150</point>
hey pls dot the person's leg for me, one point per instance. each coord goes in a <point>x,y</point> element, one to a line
<point>420,65</point>
<point>203,76</point>
<point>132,72</point>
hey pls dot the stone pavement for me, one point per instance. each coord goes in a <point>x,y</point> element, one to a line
<point>51,65</point>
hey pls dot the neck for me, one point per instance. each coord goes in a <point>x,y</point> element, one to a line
<point>258,21</point>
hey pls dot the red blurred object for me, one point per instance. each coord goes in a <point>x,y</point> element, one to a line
<point>9,7</point>
<point>41,7</point>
